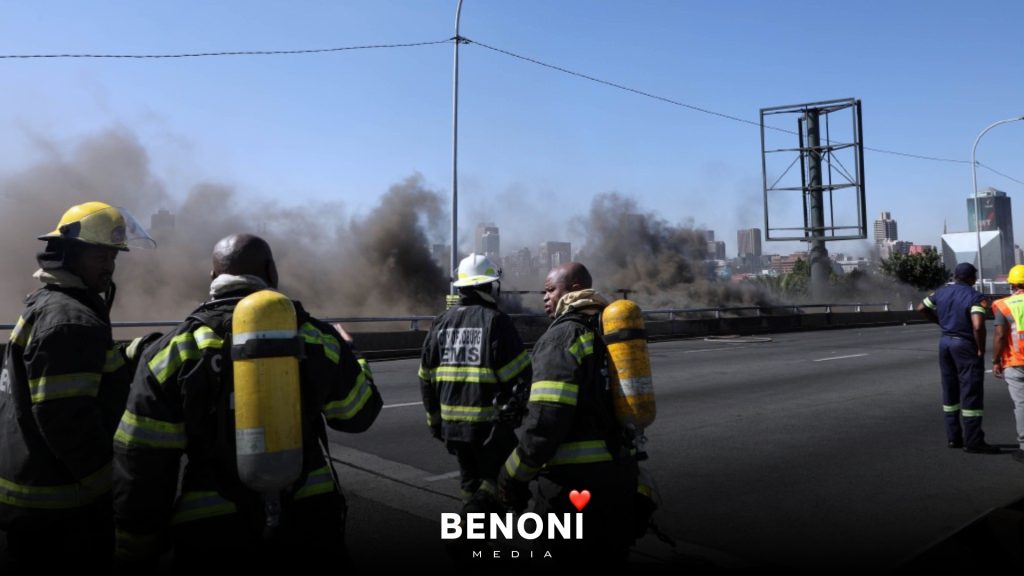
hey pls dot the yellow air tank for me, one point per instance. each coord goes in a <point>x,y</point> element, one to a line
<point>632,387</point>
<point>268,419</point>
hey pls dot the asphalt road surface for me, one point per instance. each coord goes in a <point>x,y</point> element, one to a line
<point>812,450</point>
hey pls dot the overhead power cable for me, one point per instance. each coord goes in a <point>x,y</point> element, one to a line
<point>621,86</point>
<point>489,47</point>
<point>993,170</point>
<point>229,53</point>
<point>708,111</point>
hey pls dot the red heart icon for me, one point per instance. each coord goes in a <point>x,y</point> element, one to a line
<point>579,499</point>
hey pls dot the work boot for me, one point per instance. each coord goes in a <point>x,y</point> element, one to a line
<point>481,502</point>
<point>955,444</point>
<point>982,448</point>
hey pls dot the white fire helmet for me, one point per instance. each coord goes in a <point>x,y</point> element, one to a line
<point>474,270</point>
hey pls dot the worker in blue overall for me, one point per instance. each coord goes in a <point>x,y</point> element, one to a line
<point>960,311</point>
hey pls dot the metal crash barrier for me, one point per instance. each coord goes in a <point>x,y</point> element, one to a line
<point>390,337</point>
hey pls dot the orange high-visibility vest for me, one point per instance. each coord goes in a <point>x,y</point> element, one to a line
<point>1012,307</point>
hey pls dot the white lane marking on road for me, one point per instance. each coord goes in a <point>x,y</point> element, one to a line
<point>838,357</point>
<point>730,347</point>
<point>403,405</point>
<point>444,476</point>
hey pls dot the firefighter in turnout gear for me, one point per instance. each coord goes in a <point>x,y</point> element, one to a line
<point>571,439</point>
<point>62,390</point>
<point>183,401</point>
<point>474,374</point>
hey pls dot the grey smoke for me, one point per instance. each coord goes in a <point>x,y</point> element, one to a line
<point>337,265</point>
<point>661,263</point>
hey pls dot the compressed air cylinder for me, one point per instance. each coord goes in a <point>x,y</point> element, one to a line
<point>268,418</point>
<point>632,386</point>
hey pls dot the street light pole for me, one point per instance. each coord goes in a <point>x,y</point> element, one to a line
<point>455,149</point>
<point>974,180</point>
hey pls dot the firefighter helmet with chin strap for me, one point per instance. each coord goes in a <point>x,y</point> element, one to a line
<point>101,224</point>
<point>475,270</point>
<point>1016,275</point>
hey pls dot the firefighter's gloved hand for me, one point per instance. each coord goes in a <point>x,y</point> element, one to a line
<point>434,421</point>
<point>342,332</point>
<point>512,494</point>
<point>137,346</point>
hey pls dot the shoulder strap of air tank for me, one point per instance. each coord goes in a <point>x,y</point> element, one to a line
<point>205,314</point>
<point>211,315</point>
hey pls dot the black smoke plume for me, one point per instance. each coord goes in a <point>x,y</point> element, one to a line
<point>337,265</point>
<point>661,264</point>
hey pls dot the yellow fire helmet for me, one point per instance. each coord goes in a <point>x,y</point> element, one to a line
<point>103,225</point>
<point>1016,275</point>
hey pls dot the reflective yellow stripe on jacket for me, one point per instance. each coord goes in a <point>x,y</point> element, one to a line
<point>351,404</point>
<point>582,347</point>
<point>205,338</point>
<point>514,368</point>
<point>45,497</point>
<point>140,431</point>
<point>553,391</point>
<point>518,469</point>
<point>63,496</point>
<point>475,374</point>
<point>319,481</point>
<point>312,335</point>
<point>467,413</point>
<point>201,504</point>
<point>167,361</point>
<point>584,452</point>
<point>64,386</point>
<point>180,349</point>
<point>22,333</point>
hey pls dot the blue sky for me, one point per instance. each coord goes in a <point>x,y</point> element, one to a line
<point>535,144</point>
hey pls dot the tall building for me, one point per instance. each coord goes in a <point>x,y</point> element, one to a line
<point>161,221</point>
<point>709,235</point>
<point>785,264</point>
<point>885,229</point>
<point>552,254</point>
<point>488,241</point>
<point>716,250</point>
<point>519,269</point>
<point>996,215</point>
<point>886,248</point>
<point>749,243</point>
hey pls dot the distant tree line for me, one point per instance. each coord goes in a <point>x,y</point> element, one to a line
<point>899,277</point>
